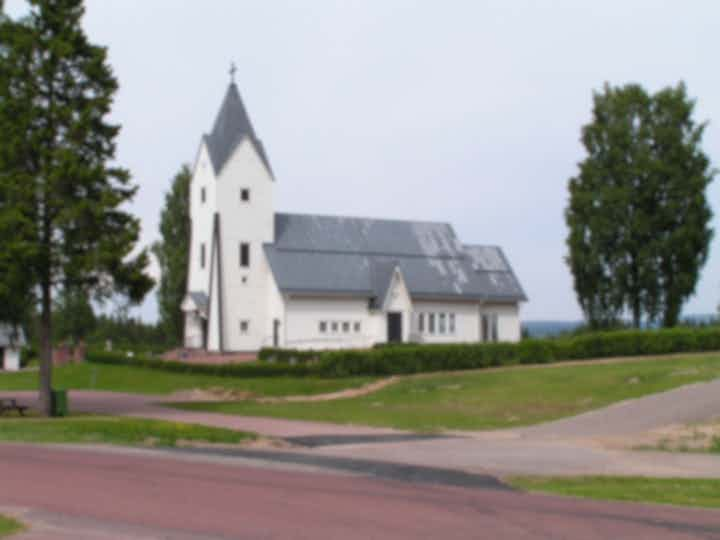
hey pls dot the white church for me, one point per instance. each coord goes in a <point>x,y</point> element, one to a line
<point>259,278</point>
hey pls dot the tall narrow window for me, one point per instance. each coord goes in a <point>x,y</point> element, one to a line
<point>202,255</point>
<point>451,323</point>
<point>494,326</point>
<point>244,326</point>
<point>202,195</point>
<point>323,327</point>
<point>245,195</point>
<point>431,323</point>
<point>244,254</point>
<point>421,322</point>
<point>442,328</point>
<point>489,328</point>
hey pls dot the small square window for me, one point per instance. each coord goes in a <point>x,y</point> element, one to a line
<point>346,327</point>
<point>244,280</point>
<point>245,195</point>
<point>323,327</point>
<point>356,327</point>
<point>244,327</point>
<point>334,326</point>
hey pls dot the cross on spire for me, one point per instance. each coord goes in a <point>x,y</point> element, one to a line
<point>233,70</point>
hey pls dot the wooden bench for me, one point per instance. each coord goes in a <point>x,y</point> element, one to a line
<point>7,405</point>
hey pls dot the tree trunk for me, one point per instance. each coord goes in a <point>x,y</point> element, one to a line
<point>46,350</point>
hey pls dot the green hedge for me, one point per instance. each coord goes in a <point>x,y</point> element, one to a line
<point>423,358</point>
<point>409,358</point>
<point>246,369</point>
<point>289,356</point>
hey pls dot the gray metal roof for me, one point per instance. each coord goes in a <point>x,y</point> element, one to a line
<point>232,125</point>
<point>200,299</point>
<point>9,336</point>
<point>356,256</point>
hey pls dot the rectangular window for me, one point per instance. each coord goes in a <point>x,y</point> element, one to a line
<point>202,195</point>
<point>431,323</point>
<point>202,255</point>
<point>489,328</point>
<point>442,328</point>
<point>334,326</point>
<point>245,195</point>
<point>323,327</point>
<point>244,254</point>
<point>451,323</point>
<point>346,327</point>
<point>244,327</point>
<point>356,327</point>
<point>421,322</point>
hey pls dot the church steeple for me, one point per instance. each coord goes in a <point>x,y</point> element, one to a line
<point>232,125</point>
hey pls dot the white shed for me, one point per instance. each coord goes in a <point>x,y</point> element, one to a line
<point>11,341</point>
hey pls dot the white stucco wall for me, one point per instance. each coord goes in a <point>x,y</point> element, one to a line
<point>467,322</point>
<point>11,361</point>
<point>245,290</point>
<point>202,220</point>
<point>275,311</point>
<point>508,320</point>
<point>303,317</point>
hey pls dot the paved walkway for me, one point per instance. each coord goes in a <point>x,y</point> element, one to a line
<point>120,495</point>
<point>565,447</point>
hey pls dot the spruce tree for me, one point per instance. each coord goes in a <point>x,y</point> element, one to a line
<point>61,196</point>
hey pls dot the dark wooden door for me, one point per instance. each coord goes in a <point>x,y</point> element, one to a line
<point>394,327</point>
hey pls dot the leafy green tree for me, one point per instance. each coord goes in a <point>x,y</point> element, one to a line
<point>73,316</point>
<point>638,216</point>
<point>172,254</point>
<point>60,199</point>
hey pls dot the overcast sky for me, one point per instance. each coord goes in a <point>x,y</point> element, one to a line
<point>461,111</point>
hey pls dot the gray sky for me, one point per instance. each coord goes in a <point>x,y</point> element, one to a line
<point>460,111</point>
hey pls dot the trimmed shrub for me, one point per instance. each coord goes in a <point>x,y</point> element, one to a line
<point>288,356</point>
<point>410,358</point>
<point>248,370</point>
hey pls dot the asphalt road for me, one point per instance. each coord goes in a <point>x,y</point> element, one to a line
<point>99,494</point>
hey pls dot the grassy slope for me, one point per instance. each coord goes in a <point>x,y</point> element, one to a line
<point>110,430</point>
<point>9,526</point>
<point>146,381</point>
<point>492,399</point>
<point>682,491</point>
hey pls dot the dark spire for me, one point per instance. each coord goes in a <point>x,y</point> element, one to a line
<point>232,124</point>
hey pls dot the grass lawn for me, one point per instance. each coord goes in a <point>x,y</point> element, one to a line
<point>9,526</point>
<point>112,430</point>
<point>681,491</point>
<point>148,381</point>
<point>491,399</point>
